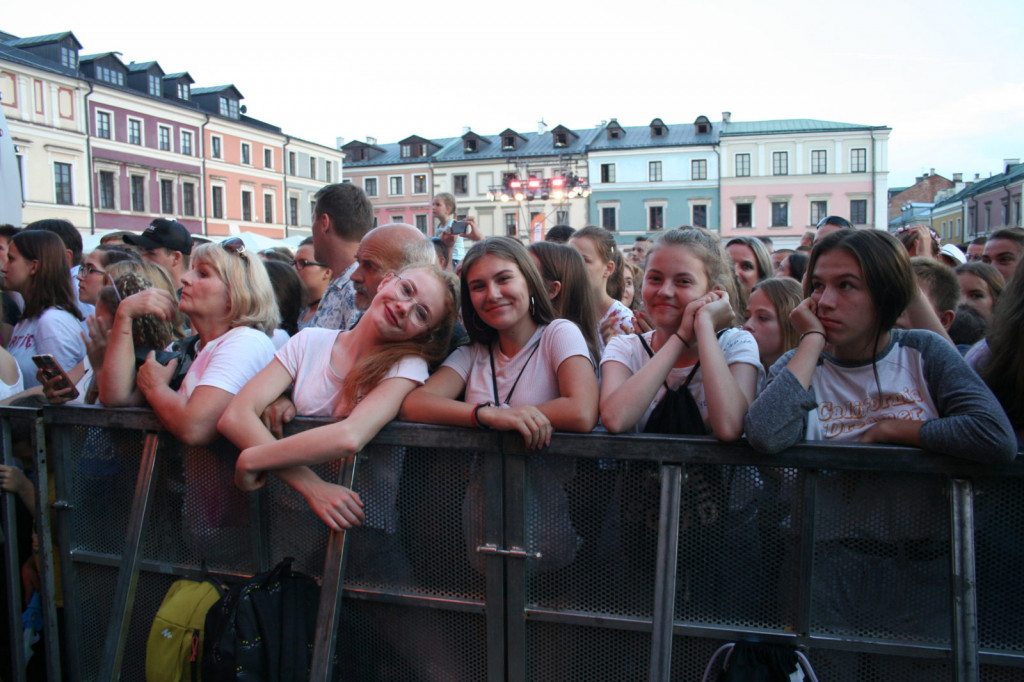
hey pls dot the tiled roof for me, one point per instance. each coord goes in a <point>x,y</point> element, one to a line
<point>142,66</point>
<point>392,155</point>
<point>791,125</point>
<point>215,88</point>
<point>638,137</point>
<point>531,144</point>
<point>40,40</point>
<point>985,185</point>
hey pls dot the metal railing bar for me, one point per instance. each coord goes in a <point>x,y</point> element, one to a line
<point>665,574</point>
<point>12,561</point>
<point>963,585</point>
<point>46,554</point>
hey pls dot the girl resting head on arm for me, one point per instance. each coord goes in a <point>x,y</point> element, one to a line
<point>686,280</point>
<point>228,299</point>
<point>362,375</point>
<point>853,377</point>
<point>768,309</point>
<point>525,370</point>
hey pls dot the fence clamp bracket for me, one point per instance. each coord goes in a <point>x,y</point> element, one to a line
<point>62,505</point>
<point>517,552</point>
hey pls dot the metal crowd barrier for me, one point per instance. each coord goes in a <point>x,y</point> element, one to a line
<point>604,558</point>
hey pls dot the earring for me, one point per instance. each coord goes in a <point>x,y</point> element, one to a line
<point>533,307</point>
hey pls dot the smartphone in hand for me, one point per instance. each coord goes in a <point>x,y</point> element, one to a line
<point>51,368</point>
<point>459,227</point>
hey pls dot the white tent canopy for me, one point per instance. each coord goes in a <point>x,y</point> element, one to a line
<point>254,243</point>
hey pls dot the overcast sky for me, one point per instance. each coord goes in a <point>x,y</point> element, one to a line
<point>947,77</point>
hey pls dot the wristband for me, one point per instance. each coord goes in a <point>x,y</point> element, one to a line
<point>813,331</point>
<point>679,336</point>
<point>475,418</point>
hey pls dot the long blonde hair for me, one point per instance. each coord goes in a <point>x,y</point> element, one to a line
<point>432,347</point>
<point>253,303</point>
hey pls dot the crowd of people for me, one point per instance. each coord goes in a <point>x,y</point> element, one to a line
<point>854,336</point>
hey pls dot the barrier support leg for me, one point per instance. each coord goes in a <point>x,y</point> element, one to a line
<point>665,574</point>
<point>12,561</point>
<point>128,571</point>
<point>46,568</point>
<point>328,612</point>
<point>964,585</point>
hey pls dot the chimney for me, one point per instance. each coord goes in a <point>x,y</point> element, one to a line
<point>958,177</point>
<point>931,172</point>
<point>371,140</point>
<point>465,130</point>
<point>977,176</point>
<point>726,117</point>
<point>1010,162</point>
<point>542,127</point>
<point>339,142</point>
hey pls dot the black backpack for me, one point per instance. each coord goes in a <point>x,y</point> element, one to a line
<point>263,629</point>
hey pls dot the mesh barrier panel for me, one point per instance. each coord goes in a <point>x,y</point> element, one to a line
<point>398,644</point>
<point>95,587</point>
<point>999,518</point>
<point>564,653</point>
<point>843,666</point>
<point>104,467</point>
<point>882,539</point>
<point>150,593</point>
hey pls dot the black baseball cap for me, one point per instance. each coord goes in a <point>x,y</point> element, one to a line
<point>169,234</point>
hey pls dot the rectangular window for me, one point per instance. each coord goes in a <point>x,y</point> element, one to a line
<point>138,193</point>
<point>106,189</point>
<point>395,185</point>
<point>819,162</point>
<point>327,171</point>
<point>184,91</point>
<point>780,163</point>
<point>419,184</point>
<point>103,124</point>
<point>655,217</point>
<point>460,185</point>
<point>154,85</point>
<point>293,210</point>
<point>167,197</point>
<point>743,165</point>
<point>218,202</point>
<point>859,211</point>
<point>561,217</point>
<point>421,222</point>
<point>186,143</point>
<point>246,160</point>
<point>268,208</point>
<point>68,57</point>
<point>164,138</point>
<point>699,169</point>
<point>859,160</point>
<point>819,209</point>
<point>511,228</point>
<point>268,158</point>
<point>246,205</point>
<point>215,147</point>
<point>370,186</point>
<point>291,164</point>
<point>398,219</point>
<point>654,171</point>
<point>700,215</point>
<point>744,215</point>
<point>188,199</point>
<point>229,107</point>
<point>609,217</point>
<point>607,172</point>
<point>312,167</point>
<point>134,131</point>
<point>780,213</point>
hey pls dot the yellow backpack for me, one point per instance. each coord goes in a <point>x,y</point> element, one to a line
<point>174,649</point>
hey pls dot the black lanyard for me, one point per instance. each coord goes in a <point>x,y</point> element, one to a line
<point>494,374</point>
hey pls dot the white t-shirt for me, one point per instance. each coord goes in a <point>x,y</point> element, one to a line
<point>538,384</point>
<point>229,361</point>
<point>7,390</point>
<point>279,338</point>
<point>307,358</point>
<point>737,346</point>
<point>56,332</point>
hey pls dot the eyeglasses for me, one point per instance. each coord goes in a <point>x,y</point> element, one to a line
<point>302,264</point>
<point>236,246</point>
<point>85,270</point>
<point>405,290</point>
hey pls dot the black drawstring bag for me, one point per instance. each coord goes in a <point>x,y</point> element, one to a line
<point>677,413</point>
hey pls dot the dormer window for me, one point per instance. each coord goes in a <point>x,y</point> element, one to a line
<point>615,131</point>
<point>228,107</point>
<point>112,76</point>
<point>614,134</point>
<point>658,128</point>
<point>68,57</point>
<point>470,146</point>
<point>184,91</point>
<point>703,125</point>
<point>154,85</point>
<point>508,142</point>
<point>561,139</point>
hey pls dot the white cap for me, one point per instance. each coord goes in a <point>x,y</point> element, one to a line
<point>953,252</point>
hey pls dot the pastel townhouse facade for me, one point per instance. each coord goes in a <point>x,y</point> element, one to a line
<point>645,179</point>
<point>43,102</point>
<point>397,177</point>
<point>779,178</point>
<point>983,206</point>
<point>109,145</point>
<point>144,148</point>
<point>514,183</point>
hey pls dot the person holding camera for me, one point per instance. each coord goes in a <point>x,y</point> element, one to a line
<point>451,231</point>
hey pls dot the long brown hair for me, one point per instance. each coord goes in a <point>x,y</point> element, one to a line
<point>563,264</point>
<point>784,294</point>
<point>604,242</point>
<point>707,247</point>
<point>50,286</point>
<point>432,347</point>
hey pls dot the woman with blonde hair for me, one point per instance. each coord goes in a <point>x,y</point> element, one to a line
<point>228,299</point>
